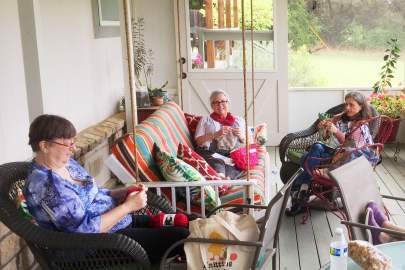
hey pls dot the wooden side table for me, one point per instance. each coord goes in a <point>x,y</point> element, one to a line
<point>144,112</point>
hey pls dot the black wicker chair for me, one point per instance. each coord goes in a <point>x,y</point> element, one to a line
<point>298,142</point>
<point>61,250</point>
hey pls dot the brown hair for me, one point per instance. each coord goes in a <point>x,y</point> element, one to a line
<point>47,127</point>
<point>360,99</point>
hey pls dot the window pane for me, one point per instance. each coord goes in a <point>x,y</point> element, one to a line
<point>216,37</point>
<point>341,43</point>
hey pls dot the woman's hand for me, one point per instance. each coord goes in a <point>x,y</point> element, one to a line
<point>136,200</point>
<point>331,127</point>
<point>238,133</point>
<point>223,131</point>
<point>322,124</point>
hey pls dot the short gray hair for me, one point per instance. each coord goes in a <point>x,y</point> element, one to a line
<point>216,93</point>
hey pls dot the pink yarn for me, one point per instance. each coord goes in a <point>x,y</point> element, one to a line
<point>239,157</point>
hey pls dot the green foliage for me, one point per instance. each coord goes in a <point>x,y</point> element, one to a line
<point>159,91</point>
<point>138,41</point>
<point>349,24</point>
<point>300,70</point>
<point>262,14</point>
<point>387,70</point>
<point>196,4</point>
<point>300,22</point>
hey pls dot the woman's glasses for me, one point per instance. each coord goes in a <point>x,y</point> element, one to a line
<point>71,146</point>
<point>219,102</point>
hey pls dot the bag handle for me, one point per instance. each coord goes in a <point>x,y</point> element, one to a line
<point>235,232</point>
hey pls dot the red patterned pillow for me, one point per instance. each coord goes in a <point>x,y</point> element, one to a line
<point>189,156</point>
<point>192,122</point>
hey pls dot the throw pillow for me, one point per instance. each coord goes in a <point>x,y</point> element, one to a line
<point>192,122</point>
<point>189,156</point>
<point>22,207</point>
<point>260,134</point>
<point>176,170</point>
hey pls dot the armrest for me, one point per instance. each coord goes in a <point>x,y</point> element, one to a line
<point>236,206</point>
<point>364,226</point>
<point>213,241</point>
<point>393,198</point>
<point>93,241</point>
<point>200,184</point>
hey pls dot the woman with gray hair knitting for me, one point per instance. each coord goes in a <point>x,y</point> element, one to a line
<point>220,133</point>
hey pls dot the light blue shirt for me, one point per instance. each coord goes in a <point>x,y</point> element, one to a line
<point>58,204</point>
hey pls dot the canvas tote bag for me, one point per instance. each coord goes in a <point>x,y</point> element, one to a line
<point>224,225</point>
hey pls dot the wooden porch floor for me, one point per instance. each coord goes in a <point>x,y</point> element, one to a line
<point>305,246</point>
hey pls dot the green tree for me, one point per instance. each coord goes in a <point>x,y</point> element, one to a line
<point>302,26</point>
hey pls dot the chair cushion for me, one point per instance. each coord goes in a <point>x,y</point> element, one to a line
<point>192,122</point>
<point>176,170</point>
<point>295,155</point>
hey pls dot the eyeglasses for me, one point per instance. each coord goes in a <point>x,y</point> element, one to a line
<point>219,102</point>
<point>71,146</point>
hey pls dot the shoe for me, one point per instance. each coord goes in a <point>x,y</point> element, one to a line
<point>295,209</point>
<point>370,220</point>
<point>298,202</point>
<point>379,215</point>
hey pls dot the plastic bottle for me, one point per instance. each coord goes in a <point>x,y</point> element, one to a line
<point>338,251</point>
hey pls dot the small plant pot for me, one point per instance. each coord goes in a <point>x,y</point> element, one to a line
<point>157,101</point>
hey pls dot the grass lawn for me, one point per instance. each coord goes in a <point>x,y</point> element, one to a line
<point>352,68</point>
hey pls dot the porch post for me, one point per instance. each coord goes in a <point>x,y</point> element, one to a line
<point>129,73</point>
<point>28,12</point>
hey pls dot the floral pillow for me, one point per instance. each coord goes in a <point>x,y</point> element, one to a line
<point>260,134</point>
<point>176,170</point>
<point>192,122</point>
<point>188,155</point>
<point>22,207</point>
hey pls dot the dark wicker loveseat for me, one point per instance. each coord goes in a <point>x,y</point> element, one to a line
<point>61,250</point>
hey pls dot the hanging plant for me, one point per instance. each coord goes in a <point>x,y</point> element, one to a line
<point>387,70</point>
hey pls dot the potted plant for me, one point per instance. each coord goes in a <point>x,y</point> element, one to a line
<point>387,70</point>
<point>144,66</point>
<point>158,95</point>
<point>386,103</point>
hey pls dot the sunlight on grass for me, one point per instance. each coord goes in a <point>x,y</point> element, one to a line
<point>340,68</point>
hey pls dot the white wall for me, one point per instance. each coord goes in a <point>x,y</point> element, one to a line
<point>13,102</point>
<point>81,76</point>
<point>160,37</point>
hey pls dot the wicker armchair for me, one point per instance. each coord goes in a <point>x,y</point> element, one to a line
<point>294,144</point>
<point>61,250</point>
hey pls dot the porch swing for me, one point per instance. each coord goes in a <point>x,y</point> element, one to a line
<point>133,153</point>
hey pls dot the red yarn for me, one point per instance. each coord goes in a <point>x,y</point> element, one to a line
<point>131,189</point>
<point>239,157</point>
<point>169,220</point>
<point>162,219</point>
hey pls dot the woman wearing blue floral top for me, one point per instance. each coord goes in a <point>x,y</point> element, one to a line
<point>61,195</point>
